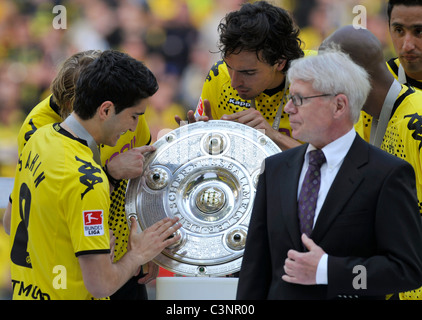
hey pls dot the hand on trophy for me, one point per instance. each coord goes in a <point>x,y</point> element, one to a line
<point>191,115</point>
<point>254,119</point>
<point>129,164</point>
<point>146,245</point>
<point>250,117</point>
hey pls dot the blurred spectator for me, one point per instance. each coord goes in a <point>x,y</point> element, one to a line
<point>317,19</point>
<point>162,108</point>
<point>172,33</point>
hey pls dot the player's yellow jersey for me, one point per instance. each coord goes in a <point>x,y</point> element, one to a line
<point>224,99</point>
<point>393,65</point>
<point>403,136</point>
<point>59,212</point>
<point>47,112</point>
<point>363,127</point>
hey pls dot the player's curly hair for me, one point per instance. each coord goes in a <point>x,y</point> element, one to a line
<point>261,27</point>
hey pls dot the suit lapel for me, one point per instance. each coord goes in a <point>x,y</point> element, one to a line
<point>345,184</point>
<point>288,195</point>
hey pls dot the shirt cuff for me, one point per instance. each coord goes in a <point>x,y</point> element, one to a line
<point>322,274</point>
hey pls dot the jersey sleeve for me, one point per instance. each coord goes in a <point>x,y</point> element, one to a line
<point>212,88</point>
<point>87,210</point>
<point>41,115</point>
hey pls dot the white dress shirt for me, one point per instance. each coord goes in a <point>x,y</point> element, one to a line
<point>335,152</point>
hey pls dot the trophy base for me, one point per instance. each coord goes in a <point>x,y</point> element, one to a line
<point>196,288</point>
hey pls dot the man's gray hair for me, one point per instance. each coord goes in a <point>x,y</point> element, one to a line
<point>333,72</point>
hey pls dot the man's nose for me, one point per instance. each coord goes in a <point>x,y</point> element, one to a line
<point>408,43</point>
<point>236,80</point>
<point>289,107</point>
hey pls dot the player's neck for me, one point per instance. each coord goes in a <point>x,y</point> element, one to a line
<point>84,123</point>
<point>280,84</point>
<point>414,75</point>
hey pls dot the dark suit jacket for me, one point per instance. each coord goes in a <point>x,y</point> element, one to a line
<point>370,218</point>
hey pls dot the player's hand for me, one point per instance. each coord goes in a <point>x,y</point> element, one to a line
<point>250,117</point>
<point>129,164</point>
<point>146,245</point>
<point>191,115</point>
<point>253,118</point>
<point>151,271</point>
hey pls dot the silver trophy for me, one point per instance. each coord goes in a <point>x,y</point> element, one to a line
<point>206,174</point>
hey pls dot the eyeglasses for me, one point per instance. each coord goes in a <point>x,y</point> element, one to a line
<point>298,100</point>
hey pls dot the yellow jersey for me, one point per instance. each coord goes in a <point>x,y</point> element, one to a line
<point>224,99</point>
<point>403,136</point>
<point>393,65</point>
<point>365,121</point>
<point>59,212</point>
<point>47,112</point>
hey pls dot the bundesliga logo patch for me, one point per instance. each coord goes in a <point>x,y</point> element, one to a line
<point>93,223</point>
<point>200,107</point>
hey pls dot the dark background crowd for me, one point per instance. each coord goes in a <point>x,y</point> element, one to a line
<point>177,39</point>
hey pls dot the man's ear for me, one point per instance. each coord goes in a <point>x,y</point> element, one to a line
<point>341,105</point>
<point>106,109</point>
<point>281,64</point>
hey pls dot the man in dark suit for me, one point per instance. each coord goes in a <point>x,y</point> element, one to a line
<point>366,232</point>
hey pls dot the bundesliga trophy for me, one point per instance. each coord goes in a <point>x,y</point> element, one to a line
<point>206,174</point>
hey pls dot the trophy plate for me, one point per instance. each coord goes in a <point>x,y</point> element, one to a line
<point>206,174</point>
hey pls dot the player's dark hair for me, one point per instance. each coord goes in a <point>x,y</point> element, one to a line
<point>408,3</point>
<point>114,76</point>
<point>262,28</point>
